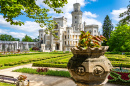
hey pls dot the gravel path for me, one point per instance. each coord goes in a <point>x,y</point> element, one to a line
<point>43,80</point>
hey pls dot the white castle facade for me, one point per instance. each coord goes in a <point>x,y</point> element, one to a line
<point>68,36</point>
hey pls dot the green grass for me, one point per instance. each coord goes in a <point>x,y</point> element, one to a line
<point>49,72</point>
<point>6,84</point>
<point>24,59</point>
<point>116,60</point>
<point>119,60</point>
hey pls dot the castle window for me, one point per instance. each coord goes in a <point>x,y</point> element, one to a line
<point>56,34</point>
<point>68,31</point>
<point>95,31</point>
<point>90,31</point>
<point>68,36</point>
<point>75,21</point>
<point>65,36</point>
<point>76,43</point>
<point>75,17</point>
<point>65,42</point>
<point>41,34</point>
<point>56,26</point>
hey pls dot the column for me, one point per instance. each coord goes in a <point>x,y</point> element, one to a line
<point>60,46</point>
<point>43,47</point>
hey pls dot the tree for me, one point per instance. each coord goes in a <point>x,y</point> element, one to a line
<point>5,37</point>
<point>36,39</point>
<point>14,8</point>
<point>107,28</point>
<point>125,15</point>
<point>120,38</point>
<point>27,39</point>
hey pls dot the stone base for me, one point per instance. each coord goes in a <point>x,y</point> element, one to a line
<point>81,84</point>
<point>84,84</point>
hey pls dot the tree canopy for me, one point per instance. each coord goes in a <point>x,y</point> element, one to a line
<point>107,28</point>
<point>27,39</point>
<point>14,8</point>
<point>5,37</point>
<point>125,16</point>
<point>120,38</point>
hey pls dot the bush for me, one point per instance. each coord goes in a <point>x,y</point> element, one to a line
<point>49,65</point>
<point>1,65</point>
<point>6,64</point>
<point>35,48</point>
<point>42,69</point>
<point>11,64</point>
<point>49,72</point>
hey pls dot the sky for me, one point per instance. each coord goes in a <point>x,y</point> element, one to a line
<point>94,12</point>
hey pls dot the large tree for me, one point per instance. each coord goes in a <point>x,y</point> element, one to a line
<point>120,38</point>
<point>5,37</point>
<point>125,16</point>
<point>107,28</point>
<point>14,8</point>
<point>27,39</point>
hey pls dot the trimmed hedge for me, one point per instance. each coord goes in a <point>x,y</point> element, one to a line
<point>19,54</point>
<point>50,65</point>
<point>49,72</point>
<point>1,65</point>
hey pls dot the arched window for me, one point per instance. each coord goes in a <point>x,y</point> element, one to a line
<point>56,26</point>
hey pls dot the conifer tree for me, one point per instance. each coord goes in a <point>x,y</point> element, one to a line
<point>107,28</point>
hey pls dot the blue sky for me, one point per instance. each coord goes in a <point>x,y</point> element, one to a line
<point>94,12</point>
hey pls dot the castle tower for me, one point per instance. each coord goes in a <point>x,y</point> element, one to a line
<point>77,17</point>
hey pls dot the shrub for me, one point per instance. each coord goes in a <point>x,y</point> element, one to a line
<point>49,72</point>
<point>42,69</point>
<point>6,64</point>
<point>49,65</point>
<point>35,48</point>
<point>1,65</point>
<point>11,64</point>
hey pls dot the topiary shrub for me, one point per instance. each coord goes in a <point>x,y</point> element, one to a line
<point>35,48</point>
<point>1,65</point>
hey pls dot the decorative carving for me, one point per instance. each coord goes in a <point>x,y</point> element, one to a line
<point>98,70</point>
<point>80,70</point>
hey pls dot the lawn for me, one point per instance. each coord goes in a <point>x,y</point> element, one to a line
<point>56,60</point>
<point>117,60</point>
<point>6,84</point>
<point>23,59</point>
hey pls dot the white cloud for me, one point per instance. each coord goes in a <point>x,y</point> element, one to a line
<point>3,31</point>
<point>17,35</point>
<point>67,8</point>
<point>88,17</point>
<point>89,14</point>
<point>14,34</point>
<point>116,13</point>
<point>28,26</point>
<point>93,0</point>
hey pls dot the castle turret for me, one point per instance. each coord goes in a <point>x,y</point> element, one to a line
<point>77,17</point>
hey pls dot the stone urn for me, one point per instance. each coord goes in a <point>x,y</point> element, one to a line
<point>89,67</point>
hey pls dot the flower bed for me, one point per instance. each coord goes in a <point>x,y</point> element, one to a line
<point>120,77</point>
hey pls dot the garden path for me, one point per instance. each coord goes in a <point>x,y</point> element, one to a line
<point>42,80</point>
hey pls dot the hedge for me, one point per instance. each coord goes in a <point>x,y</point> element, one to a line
<point>49,65</point>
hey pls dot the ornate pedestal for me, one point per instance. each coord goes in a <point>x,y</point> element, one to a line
<point>89,67</point>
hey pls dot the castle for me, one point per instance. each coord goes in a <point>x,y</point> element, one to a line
<point>68,36</point>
